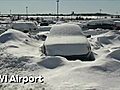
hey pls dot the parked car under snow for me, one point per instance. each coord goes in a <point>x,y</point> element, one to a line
<point>103,24</point>
<point>67,40</point>
<point>27,26</point>
<point>24,26</point>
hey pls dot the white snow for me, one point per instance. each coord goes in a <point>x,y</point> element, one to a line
<point>19,54</point>
<point>19,43</point>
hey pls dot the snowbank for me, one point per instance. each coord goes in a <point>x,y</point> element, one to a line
<point>58,72</point>
<point>18,43</point>
<point>13,35</point>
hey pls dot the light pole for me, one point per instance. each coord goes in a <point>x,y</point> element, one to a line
<point>27,12</point>
<point>100,13</point>
<point>72,14</point>
<point>57,10</point>
<point>10,12</point>
<point>117,13</point>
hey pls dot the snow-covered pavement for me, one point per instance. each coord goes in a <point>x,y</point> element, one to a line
<point>20,55</point>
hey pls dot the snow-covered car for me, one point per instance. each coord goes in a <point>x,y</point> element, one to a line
<point>117,25</point>
<point>24,26</point>
<point>103,24</point>
<point>28,26</point>
<point>67,40</point>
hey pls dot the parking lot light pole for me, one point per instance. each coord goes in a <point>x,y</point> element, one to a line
<point>57,10</point>
<point>10,12</point>
<point>100,13</point>
<point>27,12</point>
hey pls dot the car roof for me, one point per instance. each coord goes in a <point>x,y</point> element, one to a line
<point>65,30</point>
<point>23,24</point>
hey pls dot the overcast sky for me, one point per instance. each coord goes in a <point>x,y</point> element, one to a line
<point>66,6</point>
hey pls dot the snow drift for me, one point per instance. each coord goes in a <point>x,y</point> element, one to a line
<point>13,35</point>
<point>19,54</point>
<point>18,43</point>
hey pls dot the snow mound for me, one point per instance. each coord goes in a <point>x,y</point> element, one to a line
<point>14,35</point>
<point>108,66</point>
<point>19,44</point>
<point>104,40</point>
<point>10,61</point>
<point>114,54</point>
<point>108,38</point>
<point>59,73</point>
<point>52,62</point>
